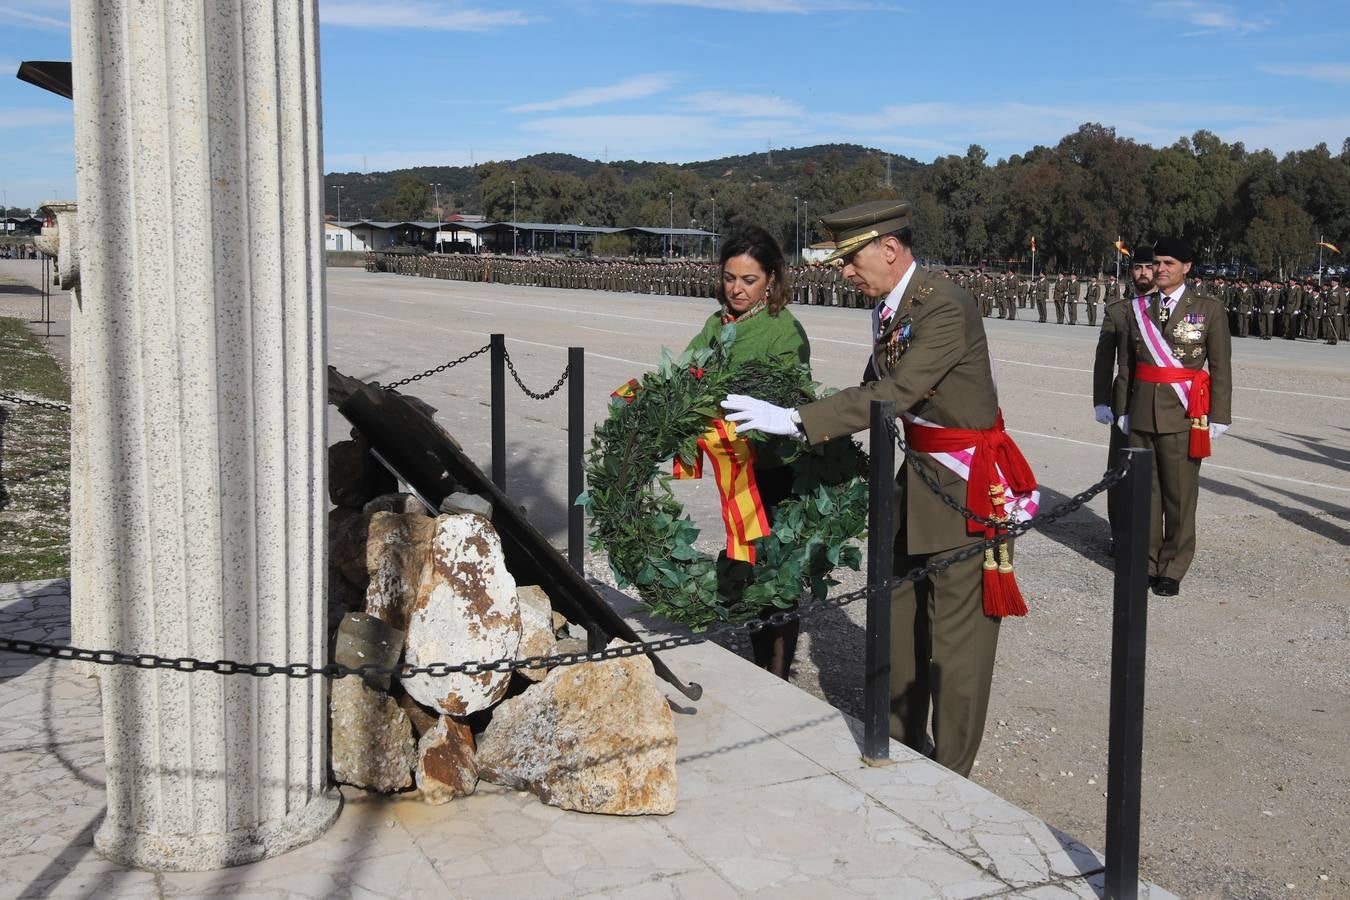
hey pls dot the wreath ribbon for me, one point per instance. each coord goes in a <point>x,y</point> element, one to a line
<point>733,461</point>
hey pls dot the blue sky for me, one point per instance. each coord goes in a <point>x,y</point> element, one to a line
<point>416,82</point>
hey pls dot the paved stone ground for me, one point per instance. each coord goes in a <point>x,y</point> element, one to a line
<point>773,801</point>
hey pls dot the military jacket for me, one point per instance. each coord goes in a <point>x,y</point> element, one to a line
<point>932,360</point>
<point>1196,332</point>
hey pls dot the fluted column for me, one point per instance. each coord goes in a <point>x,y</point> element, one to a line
<point>199,429</point>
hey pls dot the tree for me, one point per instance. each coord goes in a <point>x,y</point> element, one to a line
<point>409,200</point>
<point>1281,236</point>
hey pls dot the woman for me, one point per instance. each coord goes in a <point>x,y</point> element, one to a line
<point>753,291</point>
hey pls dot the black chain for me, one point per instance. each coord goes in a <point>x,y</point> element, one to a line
<point>441,368</point>
<point>40,404</point>
<point>732,631</point>
<point>548,393</point>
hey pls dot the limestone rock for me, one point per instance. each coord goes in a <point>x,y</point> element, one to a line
<point>461,502</point>
<point>559,624</point>
<point>354,476</point>
<point>536,627</point>
<point>395,503</point>
<point>397,548</point>
<point>364,640</point>
<point>343,597</point>
<point>596,737</point>
<point>347,546</point>
<point>466,609</point>
<point>372,741</point>
<point>423,719</point>
<point>446,767</point>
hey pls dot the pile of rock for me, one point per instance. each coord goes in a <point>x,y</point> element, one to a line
<point>404,584</point>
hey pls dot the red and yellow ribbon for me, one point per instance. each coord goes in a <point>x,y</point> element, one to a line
<point>733,459</point>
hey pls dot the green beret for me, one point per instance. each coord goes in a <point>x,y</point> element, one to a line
<point>854,227</point>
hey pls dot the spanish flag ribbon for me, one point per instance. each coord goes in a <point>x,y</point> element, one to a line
<point>1332,247</point>
<point>733,459</point>
<point>625,393</point>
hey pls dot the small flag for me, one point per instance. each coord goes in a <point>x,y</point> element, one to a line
<point>1122,249</point>
<point>625,393</point>
<point>1332,247</point>
<point>1033,243</point>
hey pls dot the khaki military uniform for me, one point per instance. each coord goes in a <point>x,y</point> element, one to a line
<point>1109,388</point>
<point>1196,332</point>
<point>942,643</point>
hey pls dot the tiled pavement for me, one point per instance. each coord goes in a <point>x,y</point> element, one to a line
<point>773,800</point>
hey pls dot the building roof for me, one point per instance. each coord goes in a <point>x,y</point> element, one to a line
<point>545,227</point>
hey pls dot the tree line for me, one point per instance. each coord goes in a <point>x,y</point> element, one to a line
<point>1075,198</point>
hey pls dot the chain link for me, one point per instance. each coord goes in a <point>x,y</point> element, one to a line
<point>39,404</point>
<point>441,368</point>
<point>567,370</point>
<point>732,631</point>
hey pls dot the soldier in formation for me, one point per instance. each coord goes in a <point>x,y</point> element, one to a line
<point>1292,309</point>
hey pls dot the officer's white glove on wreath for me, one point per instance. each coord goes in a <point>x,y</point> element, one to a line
<point>1123,423</point>
<point>750,414</point>
<point>1216,430</point>
<point>1102,414</point>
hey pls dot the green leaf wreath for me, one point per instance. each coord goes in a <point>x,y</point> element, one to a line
<point>640,524</point>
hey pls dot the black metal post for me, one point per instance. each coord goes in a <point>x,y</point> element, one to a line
<point>498,355</point>
<point>576,441</point>
<point>880,553</point>
<point>1129,637</point>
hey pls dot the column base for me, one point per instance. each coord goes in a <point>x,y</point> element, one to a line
<point>204,851</point>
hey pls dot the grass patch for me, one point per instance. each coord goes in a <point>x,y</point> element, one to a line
<point>34,461</point>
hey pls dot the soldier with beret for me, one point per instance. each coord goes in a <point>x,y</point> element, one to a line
<point>931,358</point>
<point>1179,397</point>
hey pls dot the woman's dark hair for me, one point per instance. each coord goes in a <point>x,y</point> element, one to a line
<point>759,245</point>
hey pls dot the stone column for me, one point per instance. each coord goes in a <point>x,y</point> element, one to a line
<point>199,418</point>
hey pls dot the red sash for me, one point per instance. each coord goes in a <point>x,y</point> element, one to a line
<point>994,452</point>
<point>1197,406</point>
<point>993,447</point>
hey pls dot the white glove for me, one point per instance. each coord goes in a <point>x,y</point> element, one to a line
<point>750,414</point>
<point>1216,430</point>
<point>1123,423</point>
<point>1102,414</point>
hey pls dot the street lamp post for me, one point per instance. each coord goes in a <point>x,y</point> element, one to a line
<point>437,188</point>
<point>513,217</point>
<point>714,224</point>
<point>797,224</point>
<point>806,223</point>
<point>338,188</point>
<point>670,238</point>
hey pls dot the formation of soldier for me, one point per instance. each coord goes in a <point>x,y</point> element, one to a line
<point>1266,309</point>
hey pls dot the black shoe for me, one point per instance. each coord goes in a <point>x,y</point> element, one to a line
<point>1166,587</point>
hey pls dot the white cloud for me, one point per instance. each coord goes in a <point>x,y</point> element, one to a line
<point>634,88</point>
<point>746,6</point>
<point>741,105</point>
<point>18,117</point>
<point>1337,73</point>
<point>41,14</point>
<point>1209,18</point>
<point>438,15</point>
<point>791,7</point>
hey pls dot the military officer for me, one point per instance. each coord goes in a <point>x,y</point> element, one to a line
<point>1041,290</point>
<point>929,356</point>
<point>1334,320</point>
<point>1108,380</point>
<point>1176,407</point>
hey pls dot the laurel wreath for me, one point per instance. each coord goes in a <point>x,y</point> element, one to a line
<point>642,527</point>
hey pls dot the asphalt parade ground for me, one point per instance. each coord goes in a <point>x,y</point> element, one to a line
<point>1248,691</point>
